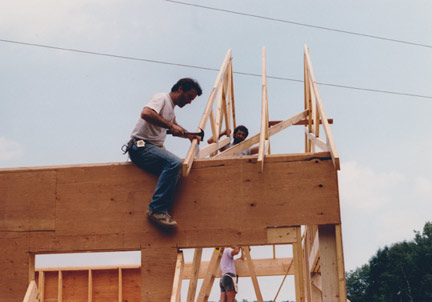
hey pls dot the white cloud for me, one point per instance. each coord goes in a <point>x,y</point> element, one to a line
<point>364,188</point>
<point>379,209</point>
<point>9,150</point>
<point>423,185</point>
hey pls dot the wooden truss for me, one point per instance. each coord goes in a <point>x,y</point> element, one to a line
<point>282,199</point>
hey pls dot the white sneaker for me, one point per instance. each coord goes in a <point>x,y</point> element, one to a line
<point>162,219</point>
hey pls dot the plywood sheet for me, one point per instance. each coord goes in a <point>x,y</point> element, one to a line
<point>27,201</point>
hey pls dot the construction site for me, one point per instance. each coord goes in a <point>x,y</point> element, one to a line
<point>285,199</point>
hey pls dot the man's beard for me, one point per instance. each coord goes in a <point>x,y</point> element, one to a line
<point>237,140</point>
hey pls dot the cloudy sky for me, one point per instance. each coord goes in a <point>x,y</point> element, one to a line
<point>79,106</point>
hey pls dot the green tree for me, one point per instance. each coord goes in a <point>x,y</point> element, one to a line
<point>401,272</point>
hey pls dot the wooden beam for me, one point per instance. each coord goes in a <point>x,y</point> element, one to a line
<point>60,287</point>
<point>120,285</point>
<point>253,274</point>
<point>157,270</point>
<point>264,134</point>
<point>328,263</point>
<point>187,163</point>
<point>178,277</point>
<point>306,251</point>
<point>31,293</point>
<point>194,274</point>
<point>329,135</point>
<point>41,285</point>
<point>340,263</point>
<point>117,193</point>
<point>31,268</point>
<point>317,141</point>
<point>316,282</point>
<point>314,256</point>
<point>282,235</point>
<point>207,150</point>
<point>213,268</point>
<point>90,285</point>
<point>247,143</point>
<point>300,123</point>
<point>298,267</point>
<point>283,280</point>
<point>263,267</point>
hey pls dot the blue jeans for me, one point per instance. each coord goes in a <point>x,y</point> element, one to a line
<point>158,161</point>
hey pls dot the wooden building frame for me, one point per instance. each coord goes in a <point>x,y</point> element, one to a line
<point>287,198</point>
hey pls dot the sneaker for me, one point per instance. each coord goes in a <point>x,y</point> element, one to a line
<point>162,219</point>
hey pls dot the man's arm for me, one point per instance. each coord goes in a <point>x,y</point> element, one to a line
<point>211,140</point>
<point>154,118</point>
<point>235,251</point>
<point>254,150</point>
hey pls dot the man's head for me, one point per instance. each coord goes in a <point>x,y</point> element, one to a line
<point>240,134</point>
<point>185,91</point>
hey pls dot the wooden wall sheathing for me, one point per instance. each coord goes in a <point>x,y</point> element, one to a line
<point>102,208</point>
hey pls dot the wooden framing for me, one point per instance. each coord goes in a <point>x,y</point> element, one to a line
<point>101,207</point>
<point>314,105</point>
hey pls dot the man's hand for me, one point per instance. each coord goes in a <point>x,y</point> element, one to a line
<point>177,130</point>
<point>191,137</point>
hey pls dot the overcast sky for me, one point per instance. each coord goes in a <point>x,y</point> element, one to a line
<point>67,107</point>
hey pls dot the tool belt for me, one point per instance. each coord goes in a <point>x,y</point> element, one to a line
<point>234,280</point>
<point>125,148</point>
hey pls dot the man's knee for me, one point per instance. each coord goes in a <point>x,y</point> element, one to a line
<point>176,164</point>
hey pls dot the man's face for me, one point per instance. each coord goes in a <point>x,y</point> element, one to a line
<point>186,97</point>
<point>239,136</point>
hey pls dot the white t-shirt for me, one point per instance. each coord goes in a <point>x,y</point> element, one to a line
<point>244,152</point>
<point>164,106</point>
<point>227,262</point>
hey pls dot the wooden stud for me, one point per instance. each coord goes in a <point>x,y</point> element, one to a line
<point>340,263</point>
<point>196,262</point>
<point>317,141</point>
<point>178,278</point>
<point>283,280</point>
<point>31,293</point>
<point>209,149</point>
<point>316,288</point>
<point>329,135</point>
<point>298,267</point>
<point>247,143</point>
<point>31,268</point>
<point>120,285</point>
<point>328,263</point>
<point>41,285</point>
<point>60,287</point>
<point>90,286</point>
<point>187,163</point>
<point>211,274</point>
<point>282,235</point>
<point>253,274</point>
<point>264,116</point>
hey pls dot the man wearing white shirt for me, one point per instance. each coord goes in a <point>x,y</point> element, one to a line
<point>228,283</point>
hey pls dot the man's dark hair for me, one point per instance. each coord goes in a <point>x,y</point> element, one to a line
<point>187,84</point>
<point>242,128</point>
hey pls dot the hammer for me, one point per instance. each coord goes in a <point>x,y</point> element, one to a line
<point>200,134</point>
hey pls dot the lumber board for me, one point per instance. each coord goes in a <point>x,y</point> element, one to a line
<point>178,277</point>
<point>31,293</point>
<point>328,263</point>
<point>263,267</point>
<point>157,272</point>
<point>253,274</point>
<point>194,274</point>
<point>102,207</point>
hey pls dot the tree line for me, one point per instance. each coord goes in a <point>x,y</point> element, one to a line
<point>401,272</point>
